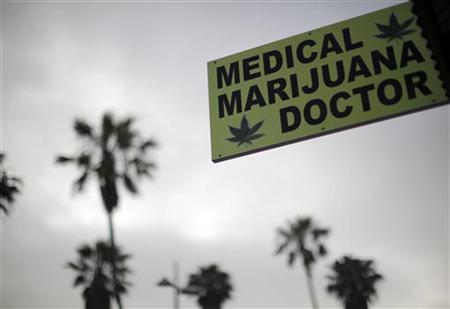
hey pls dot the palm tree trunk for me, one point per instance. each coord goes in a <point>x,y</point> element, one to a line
<point>113,245</point>
<point>212,305</point>
<point>311,290</point>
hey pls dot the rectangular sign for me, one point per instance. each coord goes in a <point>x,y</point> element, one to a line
<point>355,72</point>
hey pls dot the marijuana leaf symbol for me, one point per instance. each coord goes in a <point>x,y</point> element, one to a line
<point>394,30</point>
<point>245,134</point>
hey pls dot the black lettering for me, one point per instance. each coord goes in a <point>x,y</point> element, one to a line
<point>277,87</point>
<point>294,85</point>
<point>339,72</point>
<point>308,111</point>
<point>364,93</point>
<point>397,91</point>
<point>228,76</point>
<point>410,53</point>
<point>314,82</point>
<point>349,45</point>
<point>357,68</point>
<point>301,53</point>
<point>289,57</point>
<point>330,45</point>
<point>289,123</point>
<point>270,67</point>
<point>388,62</point>
<point>334,107</point>
<point>231,106</point>
<point>415,81</point>
<point>249,64</point>
<point>254,97</point>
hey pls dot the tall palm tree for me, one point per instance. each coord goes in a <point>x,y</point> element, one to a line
<point>94,271</point>
<point>353,281</point>
<point>302,239</point>
<point>114,154</point>
<point>212,286</point>
<point>9,187</point>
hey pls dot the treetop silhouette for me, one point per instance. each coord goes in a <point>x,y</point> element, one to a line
<point>303,239</point>
<point>95,272</point>
<point>9,187</point>
<point>353,281</point>
<point>212,286</point>
<point>115,153</point>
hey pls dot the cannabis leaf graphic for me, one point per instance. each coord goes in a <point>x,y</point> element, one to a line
<point>245,134</point>
<point>394,30</point>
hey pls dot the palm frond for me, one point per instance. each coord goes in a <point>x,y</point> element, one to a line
<point>85,251</point>
<point>129,184</point>
<point>107,128</point>
<point>81,181</point>
<point>125,136</point>
<point>84,160</point>
<point>319,232</point>
<point>79,280</point>
<point>150,143</point>
<point>322,250</point>
<point>291,258</point>
<point>284,233</point>
<point>82,128</point>
<point>74,266</point>
<point>64,159</point>
<point>3,207</point>
<point>282,247</point>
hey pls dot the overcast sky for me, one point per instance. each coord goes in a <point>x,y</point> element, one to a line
<point>382,188</point>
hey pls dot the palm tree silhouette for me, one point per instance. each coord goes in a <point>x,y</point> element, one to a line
<point>212,286</point>
<point>114,153</point>
<point>303,239</point>
<point>353,281</point>
<point>9,187</point>
<point>94,271</point>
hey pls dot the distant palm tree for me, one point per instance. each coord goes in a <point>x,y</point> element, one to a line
<point>353,281</point>
<point>211,285</point>
<point>303,239</point>
<point>113,153</point>
<point>9,187</point>
<point>95,272</point>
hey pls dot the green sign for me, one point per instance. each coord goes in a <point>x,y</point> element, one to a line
<point>355,72</point>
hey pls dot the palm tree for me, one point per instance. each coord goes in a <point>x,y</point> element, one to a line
<point>302,239</point>
<point>114,154</point>
<point>9,187</point>
<point>212,286</point>
<point>94,271</point>
<point>353,281</point>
